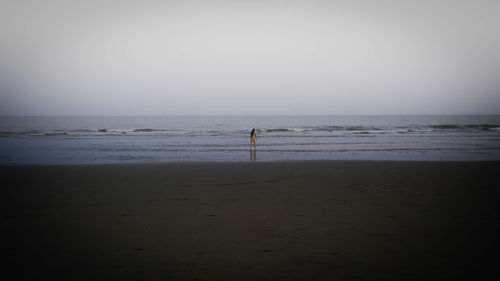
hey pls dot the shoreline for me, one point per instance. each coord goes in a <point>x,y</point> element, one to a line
<point>285,220</point>
<point>256,162</point>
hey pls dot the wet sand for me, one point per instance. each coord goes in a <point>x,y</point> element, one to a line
<point>330,220</point>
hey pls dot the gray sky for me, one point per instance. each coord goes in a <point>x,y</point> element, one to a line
<point>249,57</point>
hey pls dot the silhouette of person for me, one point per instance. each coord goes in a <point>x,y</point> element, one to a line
<point>253,140</point>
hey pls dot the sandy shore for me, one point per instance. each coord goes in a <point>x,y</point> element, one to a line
<point>252,221</point>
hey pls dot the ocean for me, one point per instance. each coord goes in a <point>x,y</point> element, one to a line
<point>152,139</point>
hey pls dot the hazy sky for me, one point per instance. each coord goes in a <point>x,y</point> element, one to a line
<point>249,57</point>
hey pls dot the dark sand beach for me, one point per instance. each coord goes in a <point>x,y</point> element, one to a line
<point>331,220</point>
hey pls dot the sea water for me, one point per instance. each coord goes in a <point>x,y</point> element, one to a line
<point>132,139</point>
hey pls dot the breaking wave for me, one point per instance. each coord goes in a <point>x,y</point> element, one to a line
<point>478,127</point>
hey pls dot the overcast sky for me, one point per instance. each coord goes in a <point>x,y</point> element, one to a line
<point>249,57</point>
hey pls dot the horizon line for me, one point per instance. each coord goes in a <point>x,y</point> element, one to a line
<point>245,115</point>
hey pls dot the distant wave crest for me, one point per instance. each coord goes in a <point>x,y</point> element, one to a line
<point>480,127</point>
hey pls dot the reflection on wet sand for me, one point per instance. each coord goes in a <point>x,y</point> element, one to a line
<point>253,154</point>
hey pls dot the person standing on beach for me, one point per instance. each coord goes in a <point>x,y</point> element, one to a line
<point>253,139</point>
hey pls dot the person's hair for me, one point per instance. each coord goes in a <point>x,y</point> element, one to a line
<point>253,132</point>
